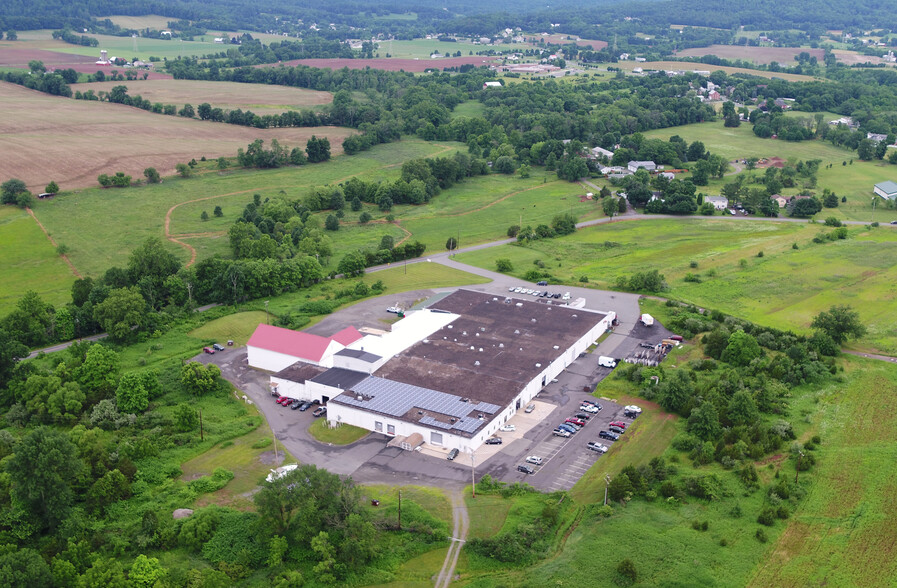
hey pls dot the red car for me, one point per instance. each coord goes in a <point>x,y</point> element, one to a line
<point>280,399</point>
<point>578,422</point>
<point>208,350</point>
<point>286,401</point>
<point>620,424</point>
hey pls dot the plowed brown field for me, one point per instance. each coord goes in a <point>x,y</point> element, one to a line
<point>71,142</point>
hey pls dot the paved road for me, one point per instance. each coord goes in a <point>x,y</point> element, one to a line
<point>66,345</point>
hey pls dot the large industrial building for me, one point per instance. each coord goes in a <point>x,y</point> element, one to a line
<point>449,374</point>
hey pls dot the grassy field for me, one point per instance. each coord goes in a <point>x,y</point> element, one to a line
<point>152,21</point>
<point>759,55</point>
<point>342,435</point>
<point>234,327</point>
<point>75,140</point>
<point>469,108</point>
<point>124,47</point>
<point>422,48</point>
<point>843,534</point>
<point>261,99</point>
<point>785,288</point>
<point>29,262</point>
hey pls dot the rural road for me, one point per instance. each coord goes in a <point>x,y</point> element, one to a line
<point>458,538</point>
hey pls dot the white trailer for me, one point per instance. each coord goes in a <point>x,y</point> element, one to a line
<point>647,320</point>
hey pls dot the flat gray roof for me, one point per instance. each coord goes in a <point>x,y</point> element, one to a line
<point>364,356</point>
<point>339,378</point>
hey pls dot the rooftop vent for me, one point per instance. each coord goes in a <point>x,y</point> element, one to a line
<point>538,365</point>
<point>495,299</point>
<point>481,416</point>
<point>501,345</point>
<point>532,320</point>
<point>574,316</point>
<point>481,349</point>
<point>420,412</point>
<point>556,347</point>
<point>465,400</point>
<point>476,362</point>
<point>519,304</point>
<point>516,331</point>
<point>426,340</point>
<point>453,419</point>
<point>483,329</point>
<point>472,347</point>
<point>464,332</point>
<point>359,398</point>
<point>451,326</point>
<point>477,334</point>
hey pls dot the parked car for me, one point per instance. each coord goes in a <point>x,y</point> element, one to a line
<point>646,345</point>
<point>561,432</point>
<point>530,408</point>
<point>288,401</point>
<point>493,441</point>
<point>208,350</point>
<point>582,416</point>
<point>568,427</point>
<point>894,222</point>
<point>593,403</point>
<point>620,424</point>
<point>280,399</point>
<point>295,404</point>
<point>577,422</point>
<point>320,411</point>
<point>218,347</point>
<point>595,446</point>
<point>304,406</point>
<point>566,296</point>
<point>632,408</point>
<point>630,415</point>
<point>542,283</point>
<point>534,460</point>
<point>507,428</point>
<point>453,454</point>
<point>589,408</point>
<point>617,430</point>
<point>608,435</point>
<point>676,337</point>
<point>394,310</point>
<point>526,469</point>
<point>556,295</point>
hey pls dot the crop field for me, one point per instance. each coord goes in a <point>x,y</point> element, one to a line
<point>152,21</point>
<point>29,262</point>
<point>71,141</point>
<point>758,55</point>
<point>785,288</point>
<point>563,40</point>
<point>423,48</point>
<point>260,98</point>
<point>686,66</point>
<point>844,530</point>
<point>392,64</point>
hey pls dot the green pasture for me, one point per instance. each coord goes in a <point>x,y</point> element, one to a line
<point>29,262</point>
<point>469,108</point>
<point>124,47</point>
<point>422,48</point>
<point>236,327</point>
<point>342,435</point>
<point>785,288</point>
<point>128,216</point>
<point>844,528</point>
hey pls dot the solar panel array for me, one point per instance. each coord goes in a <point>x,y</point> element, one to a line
<point>397,399</point>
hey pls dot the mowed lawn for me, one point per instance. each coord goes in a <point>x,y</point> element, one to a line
<point>785,288</point>
<point>844,533</point>
<point>259,98</point>
<point>29,262</point>
<point>124,47</point>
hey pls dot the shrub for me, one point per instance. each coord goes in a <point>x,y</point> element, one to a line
<point>504,265</point>
<point>693,264</point>
<point>832,222</point>
<point>695,278</point>
<point>767,516</point>
<point>759,254</point>
<point>761,536</point>
<point>626,573</point>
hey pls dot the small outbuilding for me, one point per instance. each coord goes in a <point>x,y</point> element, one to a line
<point>887,190</point>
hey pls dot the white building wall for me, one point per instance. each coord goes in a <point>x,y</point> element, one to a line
<point>367,420</point>
<point>274,361</point>
<point>356,365</point>
<point>290,389</point>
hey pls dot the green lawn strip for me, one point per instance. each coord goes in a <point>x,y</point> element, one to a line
<point>487,513</point>
<point>28,261</point>
<point>843,529</point>
<point>341,435</point>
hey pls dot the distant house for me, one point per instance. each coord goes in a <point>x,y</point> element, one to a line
<point>648,165</point>
<point>219,39</point>
<point>668,175</point>
<point>887,190</point>
<point>713,95</point>
<point>877,137</point>
<point>599,152</point>
<point>615,169</point>
<point>844,120</point>
<point>491,85</point>
<point>718,202</point>
<point>780,200</point>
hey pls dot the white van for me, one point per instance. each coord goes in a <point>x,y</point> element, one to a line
<point>608,362</point>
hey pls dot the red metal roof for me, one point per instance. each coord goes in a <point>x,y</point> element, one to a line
<point>288,342</point>
<point>347,336</point>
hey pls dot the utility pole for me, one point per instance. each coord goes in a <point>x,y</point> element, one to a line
<point>800,454</point>
<point>273,436</point>
<point>201,435</point>
<point>473,476</point>
<point>606,484</point>
<point>266,312</point>
<point>400,510</point>
<point>874,200</point>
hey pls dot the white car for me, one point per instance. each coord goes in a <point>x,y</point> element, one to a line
<point>561,433</point>
<point>632,408</point>
<point>280,472</point>
<point>566,296</point>
<point>507,428</point>
<point>534,460</point>
<point>599,447</point>
<point>394,310</point>
<point>511,289</point>
<point>530,408</point>
<point>589,408</point>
